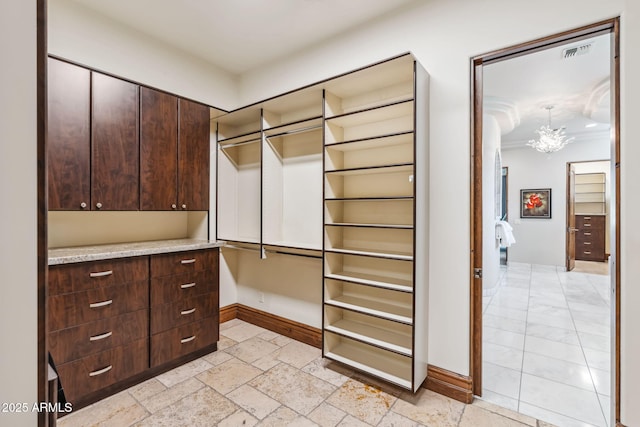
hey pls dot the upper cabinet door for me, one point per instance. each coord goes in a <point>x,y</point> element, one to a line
<point>193,156</point>
<point>115,149</point>
<point>158,150</point>
<point>68,136</point>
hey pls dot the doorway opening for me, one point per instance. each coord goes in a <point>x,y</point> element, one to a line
<point>542,340</point>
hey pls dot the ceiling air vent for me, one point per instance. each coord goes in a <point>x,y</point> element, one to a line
<point>574,51</point>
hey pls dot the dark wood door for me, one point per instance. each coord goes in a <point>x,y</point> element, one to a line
<point>68,136</point>
<point>158,150</point>
<point>193,156</point>
<point>571,218</point>
<point>115,148</point>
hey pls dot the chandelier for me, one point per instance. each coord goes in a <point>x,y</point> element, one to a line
<point>549,140</point>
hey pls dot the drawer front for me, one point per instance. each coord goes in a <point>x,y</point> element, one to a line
<point>68,310</point>
<point>95,337</point>
<point>589,221</point>
<point>183,340</point>
<point>92,373</point>
<point>181,287</point>
<point>93,275</point>
<point>169,316</point>
<point>184,262</point>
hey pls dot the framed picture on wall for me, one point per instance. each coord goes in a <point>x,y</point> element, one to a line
<point>535,203</point>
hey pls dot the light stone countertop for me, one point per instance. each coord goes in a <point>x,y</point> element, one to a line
<point>70,255</point>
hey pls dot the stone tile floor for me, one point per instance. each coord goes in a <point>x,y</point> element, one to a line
<point>546,343</point>
<point>260,378</point>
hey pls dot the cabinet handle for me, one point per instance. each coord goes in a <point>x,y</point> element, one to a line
<point>186,340</point>
<point>100,371</point>
<point>101,273</point>
<point>83,205</point>
<point>587,252</point>
<point>184,206</point>
<point>100,304</point>
<point>185,312</point>
<point>188,261</point>
<point>100,337</point>
<point>188,285</point>
<point>587,234</point>
<point>587,243</point>
<point>173,206</point>
<point>587,225</point>
<point>587,217</point>
<point>99,205</point>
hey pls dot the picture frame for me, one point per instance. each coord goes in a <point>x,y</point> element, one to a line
<point>535,203</point>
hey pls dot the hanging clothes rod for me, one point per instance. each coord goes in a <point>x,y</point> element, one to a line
<point>294,131</point>
<point>237,144</point>
<point>271,251</point>
<point>242,248</point>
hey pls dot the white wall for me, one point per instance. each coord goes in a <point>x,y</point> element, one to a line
<point>18,219</point>
<point>542,241</point>
<point>83,36</point>
<point>490,246</point>
<point>630,206</point>
<point>444,36</point>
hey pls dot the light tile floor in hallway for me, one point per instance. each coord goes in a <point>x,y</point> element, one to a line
<point>260,378</point>
<point>546,346</point>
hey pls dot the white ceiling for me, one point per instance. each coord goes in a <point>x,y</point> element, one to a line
<point>239,35</point>
<point>517,91</point>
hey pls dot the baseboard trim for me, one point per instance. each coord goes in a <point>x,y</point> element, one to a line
<point>449,384</point>
<point>440,380</point>
<point>289,328</point>
<point>228,312</point>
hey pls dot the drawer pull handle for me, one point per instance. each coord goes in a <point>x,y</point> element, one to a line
<point>101,304</point>
<point>186,340</point>
<point>587,243</point>
<point>587,217</point>
<point>587,252</point>
<point>188,261</point>
<point>100,337</point>
<point>587,234</point>
<point>101,273</point>
<point>185,312</point>
<point>587,225</point>
<point>188,285</point>
<point>100,371</point>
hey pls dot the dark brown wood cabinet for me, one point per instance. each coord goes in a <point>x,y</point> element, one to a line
<point>98,317</point>
<point>174,150</point>
<point>114,144</point>
<point>114,321</point>
<point>93,150</point>
<point>184,304</point>
<point>193,156</point>
<point>158,155</point>
<point>590,239</point>
<point>68,143</point>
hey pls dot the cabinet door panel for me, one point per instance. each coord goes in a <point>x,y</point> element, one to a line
<point>171,344</point>
<point>184,262</point>
<point>115,149</point>
<point>100,370</point>
<point>67,310</point>
<point>68,136</point>
<point>193,156</point>
<point>158,150</point>
<point>80,341</point>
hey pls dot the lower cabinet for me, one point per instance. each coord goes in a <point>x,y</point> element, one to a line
<point>112,320</point>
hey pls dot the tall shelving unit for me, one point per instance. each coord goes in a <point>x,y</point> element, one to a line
<point>376,221</point>
<point>591,193</point>
<point>339,171</point>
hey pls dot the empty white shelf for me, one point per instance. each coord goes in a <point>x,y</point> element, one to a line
<point>388,255</point>
<point>393,284</point>
<point>380,309</point>
<point>388,340</point>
